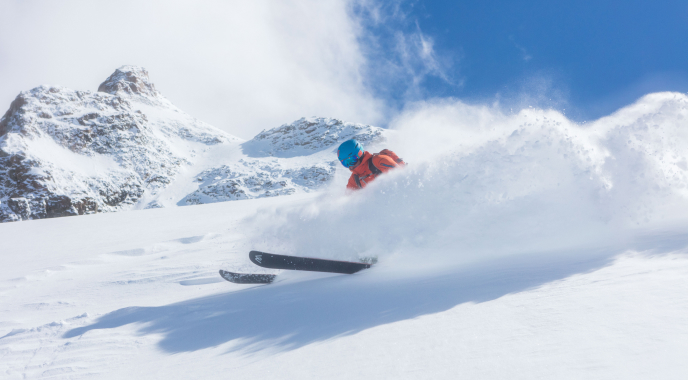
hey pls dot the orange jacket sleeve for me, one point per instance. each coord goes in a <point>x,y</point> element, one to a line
<point>352,183</point>
<point>384,163</point>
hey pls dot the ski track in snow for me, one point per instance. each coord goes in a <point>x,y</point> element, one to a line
<point>523,246</point>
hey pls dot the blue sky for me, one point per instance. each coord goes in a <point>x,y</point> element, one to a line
<point>248,66</point>
<point>591,57</point>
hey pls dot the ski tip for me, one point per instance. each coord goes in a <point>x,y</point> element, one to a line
<point>247,278</point>
<point>256,257</point>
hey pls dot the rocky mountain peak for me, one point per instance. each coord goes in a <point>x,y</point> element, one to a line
<point>309,135</point>
<point>65,152</point>
<point>129,80</point>
<point>16,105</point>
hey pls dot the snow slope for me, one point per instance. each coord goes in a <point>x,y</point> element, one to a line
<point>520,246</point>
<point>89,303</point>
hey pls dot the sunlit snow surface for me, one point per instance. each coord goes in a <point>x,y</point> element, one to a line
<point>512,247</point>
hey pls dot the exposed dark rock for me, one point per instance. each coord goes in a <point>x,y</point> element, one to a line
<point>60,205</point>
<point>38,208</point>
<point>15,107</point>
<point>130,80</point>
<point>20,206</point>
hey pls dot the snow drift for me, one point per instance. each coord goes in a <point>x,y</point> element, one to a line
<point>481,182</point>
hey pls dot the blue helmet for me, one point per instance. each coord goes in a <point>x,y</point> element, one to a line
<point>349,153</point>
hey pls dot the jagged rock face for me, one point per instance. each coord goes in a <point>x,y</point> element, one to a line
<point>131,80</point>
<point>309,135</point>
<point>66,152</point>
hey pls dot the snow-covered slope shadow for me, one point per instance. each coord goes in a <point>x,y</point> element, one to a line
<point>289,315</point>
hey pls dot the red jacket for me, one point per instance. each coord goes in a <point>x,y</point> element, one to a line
<point>361,174</point>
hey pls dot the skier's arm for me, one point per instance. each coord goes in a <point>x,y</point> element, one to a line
<point>384,163</point>
<point>352,184</point>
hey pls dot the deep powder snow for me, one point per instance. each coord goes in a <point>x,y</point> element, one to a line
<point>482,183</point>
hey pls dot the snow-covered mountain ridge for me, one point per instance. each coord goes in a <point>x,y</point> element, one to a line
<point>65,152</point>
<point>296,157</point>
<point>307,136</point>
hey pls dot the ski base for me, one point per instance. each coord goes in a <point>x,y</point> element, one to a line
<point>273,261</point>
<point>247,278</point>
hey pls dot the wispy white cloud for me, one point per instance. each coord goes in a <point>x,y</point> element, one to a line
<point>524,53</point>
<point>419,57</point>
<point>401,56</point>
<point>242,66</point>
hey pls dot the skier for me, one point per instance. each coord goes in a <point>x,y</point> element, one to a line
<point>364,166</point>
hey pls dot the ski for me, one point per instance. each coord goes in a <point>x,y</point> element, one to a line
<point>246,278</point>
<point>273,261</point>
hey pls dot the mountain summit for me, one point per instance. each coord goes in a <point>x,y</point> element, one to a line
<point>129,80</point>
<point>65,152</point>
